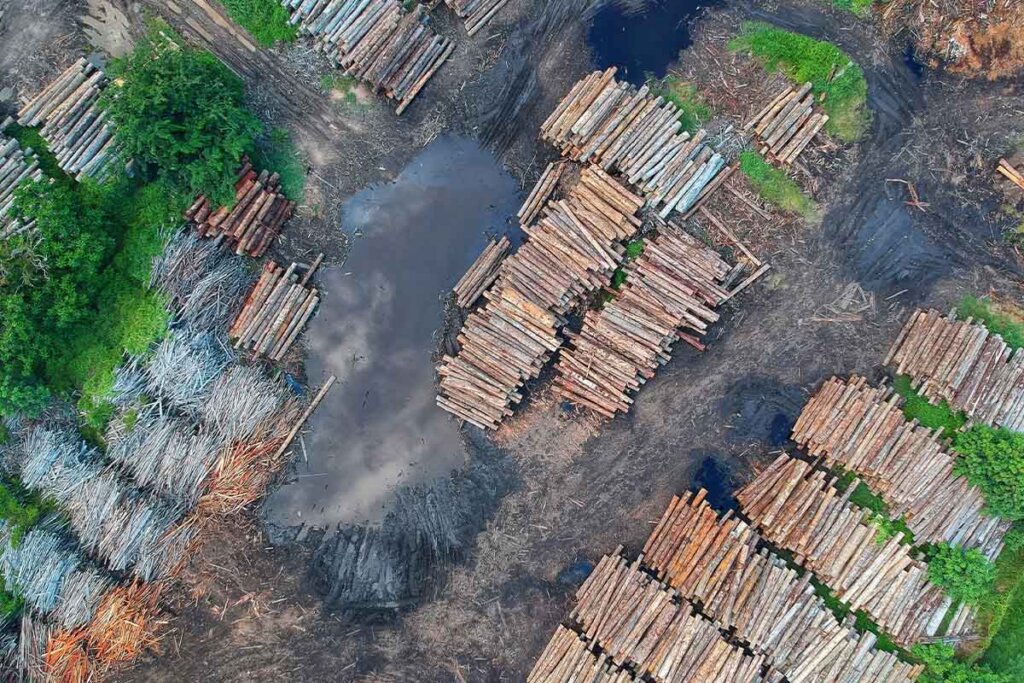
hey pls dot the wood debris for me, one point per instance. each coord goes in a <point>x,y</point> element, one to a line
<point>570,251</point>
<point>376,41</point>
<point>568,659</point>
<point>476,13</point>
<point>482,273</point>
<point>863,429</point>
<point>631,132</point>
<point>960,361</point>
<point>260,211</point>
<point>73,126</point>
<point>675,283</point>
<point>1011,173</point>
<point>787,124</point>
<point>799,509</point>
<point>16,166</point>
<point>275,312</point>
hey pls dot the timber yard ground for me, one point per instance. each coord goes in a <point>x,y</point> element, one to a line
<point>560,488</point>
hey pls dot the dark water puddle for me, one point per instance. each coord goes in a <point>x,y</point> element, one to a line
<point>379,427</point>
<point>640,37</point>
<point>762,410</point>
<point>716,478</point>
<point>910,59</point>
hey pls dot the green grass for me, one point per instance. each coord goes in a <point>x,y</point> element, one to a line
<point>831,72</point>
<point>1010,329</point>
<point>1001,618</point>
<point>277,153</point>
<point>693,110</point>
<point>266,20</point>
<point>861,8</point>
<point>862,622</point>
<point>775,186</point>
<point>878,514</point>
<point>917,407</point>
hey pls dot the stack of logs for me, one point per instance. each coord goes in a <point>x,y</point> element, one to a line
<point>786,126</point>
<point>570,252</point>
<point>639,622</point>
<point>674,283</point>
<point>376,41</point>
<point>275,312</point>
<point>1011,173</point>
<point>260,211</point>
<point>712,560</point>
<point>863,429</point>
<point>800,510</point>
<point>568,659</point>
<point>962,362</point>
<point>635,134</point>
<point>482,273</point>
<point>73,126</point>
<point>476,13</point>
<point>541,192</point>
<point>16,166</point>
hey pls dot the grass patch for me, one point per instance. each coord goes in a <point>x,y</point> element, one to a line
<point>633,249</point>
<point>878,514</point>
<point>1010,328</point>
<point>693,110</point>
<point>346,85</point>
<point>775,186</point>
<point>266,20</point>
<point>1001,617</point>
<point>862,622</point>
<point>29,138</point>
<point>861,8</point>
<point>277,152</point>
<point>917,407</point>
<point>832,74</point>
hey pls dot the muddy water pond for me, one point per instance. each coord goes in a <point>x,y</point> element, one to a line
<point>379,427</point>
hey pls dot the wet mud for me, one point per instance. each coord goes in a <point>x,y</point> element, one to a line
<point>761,411</point>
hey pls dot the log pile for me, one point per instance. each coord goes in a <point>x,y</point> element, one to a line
<point>376,41</point>
<point>16,166</point>
<point>1011,173</point>
<point>962,362</point>
<point>541,192</point>
<point>260,211</point>
<point>275,312</point>
<point>631,132</point>
<point>675,283</point>
<point>785,127</point>
<point>863,429</point>
<point>641,623</point>
<point>73,126</point>
<point>568,659</point>
<point>476,13</point>
<point>482,273</point>
<point>800,510</point>
<point>712,560</point>
<point>569,252</point>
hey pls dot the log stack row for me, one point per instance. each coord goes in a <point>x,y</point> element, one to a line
<point>476,13</point>
<point>569,252</point>
<point>799,509</point>
<point>675,283</point>
<point>787,124</point>
<point>641,623</point>
<point>541,192</point>
<point>260,211</point>
<point>482,273</point>
<point>16,166</point>
<point>275,312</point>
<point>863,429</point>
<point>713,560</point>
<point>376,41</point>
<point>73,126</point>
<point>568,659</point>
<point>962,362</point>
<point>631,132</point>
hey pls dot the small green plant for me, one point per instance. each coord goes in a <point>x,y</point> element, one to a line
<point>266,20</point>
<point>1012,331</point>
<point>932,416</point>
<point>775,186</point>
<point>278,153</point>
<point>966,575</point>
<point>941,666</point>
<point>693,110</point>
<point>19,509</point>
<point>862,622</point>
<point>634,248</point>
<point>993,460</point>
<point>834,77</point>
<point>861,8</point>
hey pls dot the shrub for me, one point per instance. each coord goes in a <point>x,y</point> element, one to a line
<point>775,186</point>
<point>942,667</point>
<point>266,20</point>
<point>966,575</point>
<point>917,407</point>
<point>1011,330</point>
<point>832,74</point>
<point>277,152</point>
<point>993,460</point>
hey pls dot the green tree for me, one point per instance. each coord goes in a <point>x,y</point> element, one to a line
<point>180,115</point>
<point>993,460</point>
<point>966,575</point>
<point>942,667</point>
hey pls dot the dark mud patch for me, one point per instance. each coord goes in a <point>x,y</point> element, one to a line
<point>761,410</point>
<point>715,475</point>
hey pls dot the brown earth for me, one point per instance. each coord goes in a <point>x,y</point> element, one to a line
<point>837,293</point>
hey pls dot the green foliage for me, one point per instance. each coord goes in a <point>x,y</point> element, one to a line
<point>862,622</point>
<point>10,603</point>
<point>1002,616</point>
<point>30,138</point>
<point>618,278</point>
<point>1011,330</point>
<point>180,115</point>
<point>916,407</point>
<point>993,460</point>
<point>831,72</point>
<point>266,20</point>
<point>19,509</point>
<point>693,110</point>
<point>277,152</point>
<point>966,575</point>
<point>775,186</point>
<point>862,8</point>
<point>942,667</point>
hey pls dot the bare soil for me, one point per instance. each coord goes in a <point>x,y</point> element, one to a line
<point>837,293</point>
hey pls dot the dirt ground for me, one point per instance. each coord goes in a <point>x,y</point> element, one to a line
<point>837,293</point>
